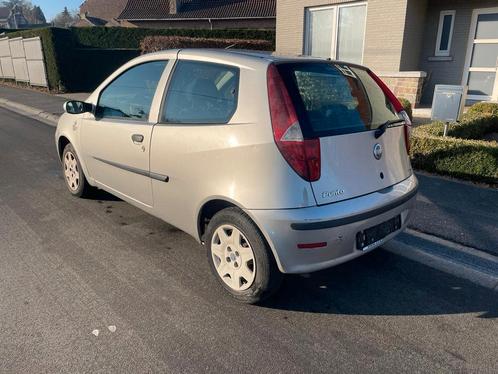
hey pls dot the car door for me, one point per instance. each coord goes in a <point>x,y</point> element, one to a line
<point>116,140</point>
<point>191,141</point>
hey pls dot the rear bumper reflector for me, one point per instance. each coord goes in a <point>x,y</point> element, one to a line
<point>312,245</point>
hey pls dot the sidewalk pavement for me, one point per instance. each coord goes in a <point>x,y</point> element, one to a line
<point>458,212</point>
<point>461,212</point>
<point>43,101</point>
<point>421,115</point>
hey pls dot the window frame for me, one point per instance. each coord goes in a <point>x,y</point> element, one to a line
<point>335,27</point>
<point>124,119</point>
<point>469,53</point>
<point>165,94</point>
<point>438,52</point>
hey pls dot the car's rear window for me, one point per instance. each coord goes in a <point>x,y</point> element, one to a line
<point>335,99</point>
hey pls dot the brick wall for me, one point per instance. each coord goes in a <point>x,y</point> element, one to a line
<point>406,84</point>
<point>384,34</point>
<point>290,23</point>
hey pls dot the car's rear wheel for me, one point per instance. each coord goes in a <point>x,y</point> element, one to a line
<point>73,173</point>
<point>240,258</point>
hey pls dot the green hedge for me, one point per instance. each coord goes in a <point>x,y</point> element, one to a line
<point>461,154</point>
<point>92,66</point>
<point>159,43</point>
<point>123,37</point>
<point>473,125</point>
<point>484,108</point>
<point>474,160</point>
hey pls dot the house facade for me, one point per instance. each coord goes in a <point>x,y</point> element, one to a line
<point>201,14</point>
<point>12,18</point>
<point>412,44</point>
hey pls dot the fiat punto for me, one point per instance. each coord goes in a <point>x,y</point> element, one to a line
<point>277,165</point>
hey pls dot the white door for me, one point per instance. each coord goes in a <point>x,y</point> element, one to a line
<point>482,56</point>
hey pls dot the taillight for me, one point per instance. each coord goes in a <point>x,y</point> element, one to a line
<point>303,155</point>
<point>407,128</point>
<point>397,106</point>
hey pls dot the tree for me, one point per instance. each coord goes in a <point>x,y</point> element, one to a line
<point>65,18</point>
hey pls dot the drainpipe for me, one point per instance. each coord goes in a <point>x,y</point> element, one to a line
<point>210,24</point>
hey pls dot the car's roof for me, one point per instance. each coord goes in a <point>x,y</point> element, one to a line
<point>237,56</point>
<point>237,53</point>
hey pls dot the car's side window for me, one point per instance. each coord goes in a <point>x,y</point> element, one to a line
<point>130,95</point>
<point>201,92</point>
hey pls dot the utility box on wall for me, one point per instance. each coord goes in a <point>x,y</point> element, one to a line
<point>448,102</point>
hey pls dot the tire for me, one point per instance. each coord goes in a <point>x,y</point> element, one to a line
<point>72,172</point>
<point>245,268</point>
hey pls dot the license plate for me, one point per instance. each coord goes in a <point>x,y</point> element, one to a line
<point>373,234</point>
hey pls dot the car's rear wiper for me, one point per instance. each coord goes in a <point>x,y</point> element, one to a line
<point>382,128</point>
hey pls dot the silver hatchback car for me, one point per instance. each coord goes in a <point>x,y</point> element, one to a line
<point>277,165</point>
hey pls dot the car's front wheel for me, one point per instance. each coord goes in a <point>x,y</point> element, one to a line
<point>73,174</point>
<point>240,258</point>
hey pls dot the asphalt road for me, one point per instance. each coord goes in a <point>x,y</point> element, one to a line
<point>70,266</point>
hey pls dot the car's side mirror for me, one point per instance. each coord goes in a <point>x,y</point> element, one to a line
<point>77,107</point>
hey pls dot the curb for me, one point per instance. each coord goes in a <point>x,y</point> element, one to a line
<point>28,111</point>
<point>463,262</point>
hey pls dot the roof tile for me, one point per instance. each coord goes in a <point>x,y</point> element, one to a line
<point>195,9</point>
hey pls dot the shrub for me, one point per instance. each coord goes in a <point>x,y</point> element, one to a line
<point>159,43</point>
<point>461,154</point>
<point>93,66</point>
<point>123,37</point>
<point>472,126</point>
<point>484,108</point>
<point>474,160</point>
<point>407,106</point>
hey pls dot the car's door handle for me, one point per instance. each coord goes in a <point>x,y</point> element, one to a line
<point>137,138</point>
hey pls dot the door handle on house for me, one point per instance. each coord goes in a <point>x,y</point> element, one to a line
<point>137,138</point>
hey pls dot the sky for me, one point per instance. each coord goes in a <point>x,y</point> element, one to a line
<point>52,7</point>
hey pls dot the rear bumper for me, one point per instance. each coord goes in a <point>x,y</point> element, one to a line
<point>336,224</point>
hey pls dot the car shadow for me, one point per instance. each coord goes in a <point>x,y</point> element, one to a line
<point>382,283</point>
<point>100,195</point>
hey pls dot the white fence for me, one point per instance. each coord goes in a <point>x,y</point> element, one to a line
<point>22,60</point>
<point>35,62</point>
<point>6,60</point>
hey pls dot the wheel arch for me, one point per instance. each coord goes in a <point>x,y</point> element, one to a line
<point>207,211</point>
<point>62,141</point>
<point>215,204</point>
